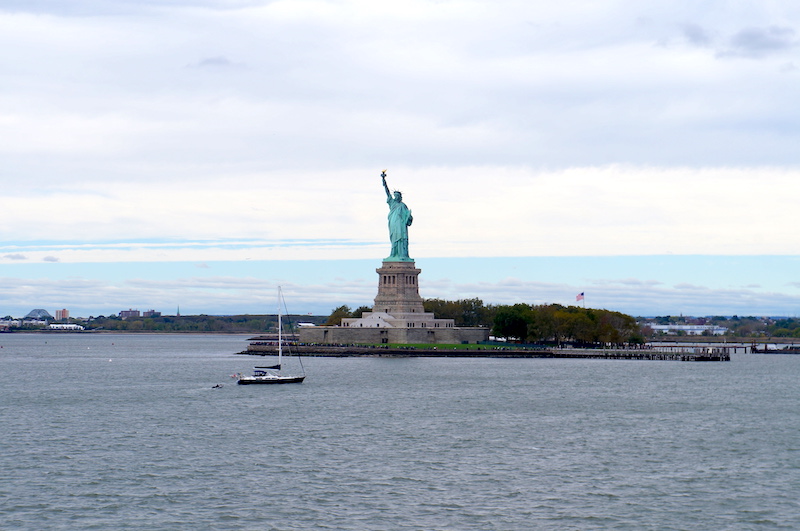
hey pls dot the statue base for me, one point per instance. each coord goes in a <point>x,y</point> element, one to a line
<point>398,288</point>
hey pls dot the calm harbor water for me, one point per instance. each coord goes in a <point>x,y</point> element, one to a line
<point>126,432</point>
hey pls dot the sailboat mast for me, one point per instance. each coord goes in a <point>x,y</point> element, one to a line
<point>280,329</point>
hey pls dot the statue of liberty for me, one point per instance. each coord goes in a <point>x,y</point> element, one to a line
<point>399,220</point>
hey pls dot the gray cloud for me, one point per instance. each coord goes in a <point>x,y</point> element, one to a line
<point>50,259</point>
<point>567,92</point>
<point>215,62</point>
<point>15,256</point>
<point>696,35</point>
<point>758,42</point>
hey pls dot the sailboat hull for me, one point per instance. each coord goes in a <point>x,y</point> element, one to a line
<point>249,380</point>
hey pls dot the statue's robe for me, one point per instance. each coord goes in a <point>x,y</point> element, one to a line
<point>399,220</point>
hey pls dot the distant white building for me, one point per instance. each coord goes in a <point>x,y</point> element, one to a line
<point>61,326</point>
<point>689,330</point>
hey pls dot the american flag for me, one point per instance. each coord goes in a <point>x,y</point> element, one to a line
<point>579,296</point>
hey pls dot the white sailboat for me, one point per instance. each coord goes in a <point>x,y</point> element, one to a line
<point>272,374</point>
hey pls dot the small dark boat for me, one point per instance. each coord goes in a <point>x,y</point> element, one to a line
<point>264,375</point>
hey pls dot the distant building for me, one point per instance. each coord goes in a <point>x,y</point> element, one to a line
<point>127,314</point>
<point>65,326</point>
<point>38,315</point>
<point>62,315</point>
<point>151,313</point>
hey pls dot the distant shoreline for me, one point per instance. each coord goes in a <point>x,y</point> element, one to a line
<point>132,332</point>
<point>661,341</point>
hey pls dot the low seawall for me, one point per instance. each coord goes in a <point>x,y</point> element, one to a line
<point>343,351</point>
<point>689,354</point>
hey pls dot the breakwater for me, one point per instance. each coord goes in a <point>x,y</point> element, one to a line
<point>685,354</point>
<point>343,351</point>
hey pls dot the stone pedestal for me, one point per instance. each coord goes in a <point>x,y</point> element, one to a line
<point>398,289</point>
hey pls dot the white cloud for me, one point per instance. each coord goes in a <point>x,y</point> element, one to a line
<point>698,285</point>
<point>470,211</point>
<point>226,295</point>
<point>514,128</point>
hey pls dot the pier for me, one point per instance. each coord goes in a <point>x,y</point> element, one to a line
<point>676,354</point>
<point>345,351</point>
<point>686,353</point>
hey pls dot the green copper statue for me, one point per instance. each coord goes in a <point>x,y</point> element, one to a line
<point>399,220</point>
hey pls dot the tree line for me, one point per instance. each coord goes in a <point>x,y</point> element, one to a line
<point>557,324</point>
<point>244,324</point>
<point>737,326</point>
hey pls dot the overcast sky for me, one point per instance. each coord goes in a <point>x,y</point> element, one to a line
<point>200,152</point>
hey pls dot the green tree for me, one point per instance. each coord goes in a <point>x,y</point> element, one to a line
<point>473,312</point>
<point>543,323</point>
<point>464,312</point>
<point>336,316</point>
<point>442,309</point>
<point>578,326</point>
<point>512,321</point>
<point>358,312</point>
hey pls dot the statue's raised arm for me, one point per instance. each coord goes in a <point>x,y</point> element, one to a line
<point>383,178</point>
